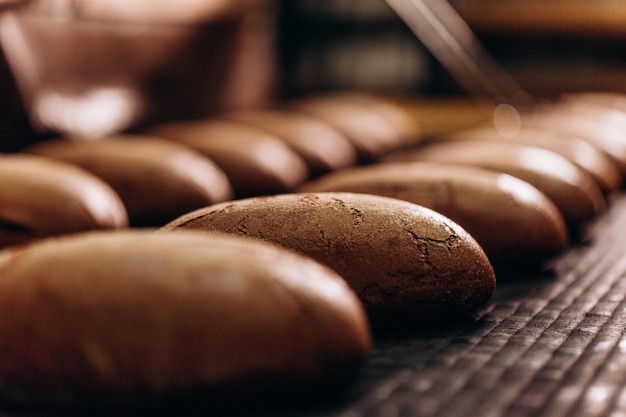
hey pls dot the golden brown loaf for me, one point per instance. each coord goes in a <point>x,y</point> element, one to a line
<point>604,136</point>
<point>604,170</point>
<point>391,110</point>
<point>369,132</point>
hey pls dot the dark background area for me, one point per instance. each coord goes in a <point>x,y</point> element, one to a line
<point>549,47</point>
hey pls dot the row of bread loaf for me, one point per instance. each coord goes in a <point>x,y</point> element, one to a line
<point>359,222</point>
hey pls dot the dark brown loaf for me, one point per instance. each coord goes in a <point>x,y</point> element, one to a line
<point>610,100</point>
<point>603,135</point>
<point>443,115</point>
<point>509,218</point>
<point>369,132</point>
<point>144,317</point>
<point>407,263</point>
<point>390,109</point>
<point>255,162</point>
<point>157,180</point>
<point>604,170</point>
<point>606,115</point>
<point>40,197</point>
<point>321,146</point>
<point>573,191</point>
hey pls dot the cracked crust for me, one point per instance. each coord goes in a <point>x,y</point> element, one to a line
<point>406,262</point>
<point>574,192</point>
<point>510,219</point>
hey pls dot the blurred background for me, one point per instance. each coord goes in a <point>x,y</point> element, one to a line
<point>550,46</point>
<point>111,65</point>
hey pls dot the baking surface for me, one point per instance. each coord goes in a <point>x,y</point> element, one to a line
<point>550,343</point>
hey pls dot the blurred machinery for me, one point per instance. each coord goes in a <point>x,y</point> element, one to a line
<point>88,68</point>
<point>238,54</point>
<point>549,46</point>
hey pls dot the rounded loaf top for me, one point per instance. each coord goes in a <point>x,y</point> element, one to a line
<point>147,316</point>
<point>407,263</point>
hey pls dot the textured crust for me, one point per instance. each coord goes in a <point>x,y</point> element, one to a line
<point>40,197</point>
<point>573,191</point>
<point>407,263</point>
<point>144,315</point>
<point>255,162</point>
<point>508,217</point>
<point>158,180</point>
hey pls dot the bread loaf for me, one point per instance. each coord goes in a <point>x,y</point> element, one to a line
<point>391,110</point>
<point>157,180</point>
<point>321,146</point>
<point>255,162</point>
<point>40,197</point>
<point>573,191</point>
<point>407,263</point>
<point>509,218</point>
<point>135,318</point>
